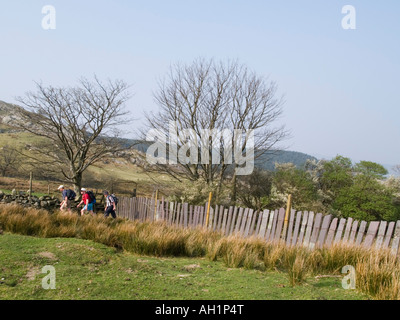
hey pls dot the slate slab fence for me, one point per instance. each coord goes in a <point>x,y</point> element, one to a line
<point>300,228</point>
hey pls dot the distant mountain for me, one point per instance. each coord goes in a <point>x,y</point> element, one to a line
<point>267,160</point>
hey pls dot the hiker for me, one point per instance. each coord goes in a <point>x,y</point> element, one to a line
<point>88,203</point>
<point>68,195</point>
<point>110,205</point>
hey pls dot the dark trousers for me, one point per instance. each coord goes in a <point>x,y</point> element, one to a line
<point>110,210</point>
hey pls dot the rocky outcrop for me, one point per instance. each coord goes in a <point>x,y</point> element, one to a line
<point>9,113</point>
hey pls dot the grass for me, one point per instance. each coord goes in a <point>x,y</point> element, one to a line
<point>34,194</point>
<point>377,272</point>
<point>39,188</point>
<point>124,171</point>
<point>92,271</point>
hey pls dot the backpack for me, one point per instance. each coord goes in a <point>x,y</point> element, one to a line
<point>71,195</point>
<point>115,199</point>
<point>92,197</point>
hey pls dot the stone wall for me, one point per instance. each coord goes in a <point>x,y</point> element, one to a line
<point>45,202</point>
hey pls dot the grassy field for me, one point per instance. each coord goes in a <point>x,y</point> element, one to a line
<point>298,269</point>
<point>88,270</point>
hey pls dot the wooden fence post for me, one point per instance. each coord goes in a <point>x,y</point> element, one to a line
<point>285,223</point>
<point>208,209</point>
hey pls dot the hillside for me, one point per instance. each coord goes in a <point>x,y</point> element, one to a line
<point>8,114</point>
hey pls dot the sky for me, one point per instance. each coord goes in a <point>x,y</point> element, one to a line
<point>341,86</point>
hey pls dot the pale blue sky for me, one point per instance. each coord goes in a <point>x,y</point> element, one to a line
<point>341,86</point>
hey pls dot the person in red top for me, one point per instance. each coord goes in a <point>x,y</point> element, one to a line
<point>86,201</point>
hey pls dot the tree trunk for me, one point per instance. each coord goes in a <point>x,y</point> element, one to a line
<point>78,184</point>
<point>234,188</point>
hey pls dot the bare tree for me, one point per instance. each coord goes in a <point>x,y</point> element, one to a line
<point>253,188</point>
<point>9,160</point>
<point>206,102</point>
<point>255,108</point>
<point>78,125</point>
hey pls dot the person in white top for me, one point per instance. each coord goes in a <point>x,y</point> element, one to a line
<point>110,205</point>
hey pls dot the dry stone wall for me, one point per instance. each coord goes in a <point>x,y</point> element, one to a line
<point>44,202</point>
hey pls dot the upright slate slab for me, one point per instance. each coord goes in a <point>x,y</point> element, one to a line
<point>205,214</point>
<point>324,231</point>
<point>272,216</point>
<point>331,232</point>
<point>233,222</point>
<point>289,232</point>
<point>195,220</point>
<point>389,234</point>
<point>279,224</point>
<point>244,220</point>
<point>339,232</point>
<point>303,228</point>
<point>202,216</point>
<point>381,234</point>
<point>133,208</point>
<point>316,230</point>
<point>171,213</point>
<point>264,222</point>
<point>274,223</point>
<point>215,219</point>
<point>229,221</point>
<point>310,222</point>
<point>258,220</point>
<point>178,214</point>
<point>239,220</point>
<point>182,218</point>
<point>221,214</point>
<point>139,209</point>
<point>151,214</point>
<point>185,214</point>
<point>396,239</point>
<point>224,221</point>
<point>347,230</point>
<point>296,228</point>
<point>136,211</point>
<point>371,233</point>
<point>248,223</point>
<point>361,232</point>
<point>253,222</point>
<point>210,218</point>
<point>191,216</point>
<point>353,232</point>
